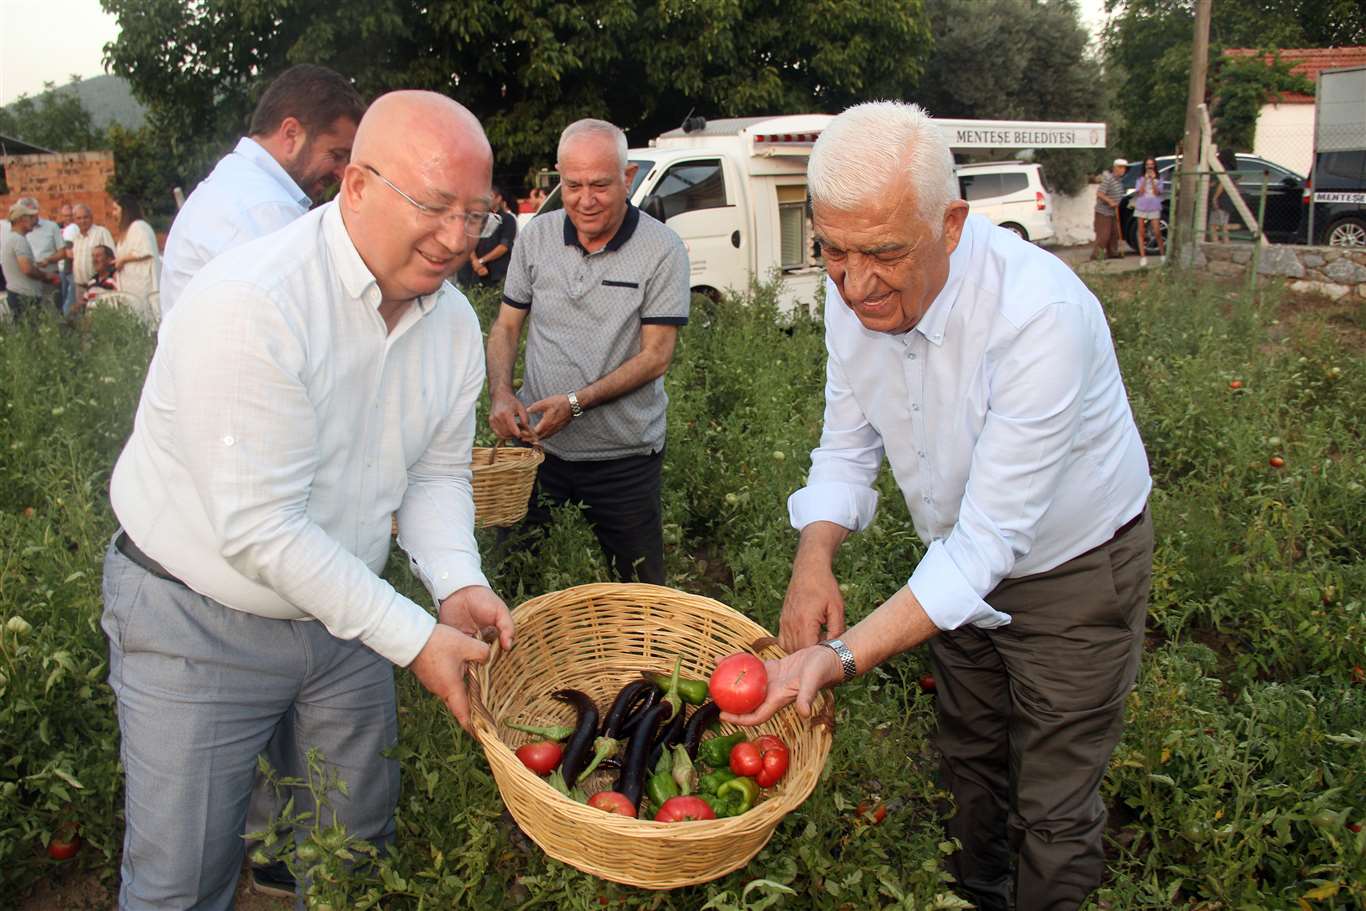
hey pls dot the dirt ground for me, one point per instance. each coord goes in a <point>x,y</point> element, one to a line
<point>86,893</point>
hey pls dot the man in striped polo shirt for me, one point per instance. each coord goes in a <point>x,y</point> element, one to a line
<point>603,288</point>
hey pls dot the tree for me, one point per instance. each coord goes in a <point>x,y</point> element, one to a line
<point>1242,86</point>
<point>55,120</point>
<point>1147,47</point>
<point>525,67</point>
<point>1015,60</point>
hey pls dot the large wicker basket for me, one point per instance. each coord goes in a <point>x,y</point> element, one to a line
<point>502,478</point>
<point>596,638</point>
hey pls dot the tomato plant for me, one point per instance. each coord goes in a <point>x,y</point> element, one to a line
<point>739,683</point>
<point>541,757</point>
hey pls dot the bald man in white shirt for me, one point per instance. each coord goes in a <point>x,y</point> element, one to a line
<point>310,384</point>
<point>983,370</point>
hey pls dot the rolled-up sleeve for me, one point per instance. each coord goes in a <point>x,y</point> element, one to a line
<point>844,467</point>
<point>1032,424</point>
<point>247,432</point>
<point>436,518</point>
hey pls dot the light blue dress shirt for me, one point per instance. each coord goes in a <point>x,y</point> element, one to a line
<point>1003,417</point>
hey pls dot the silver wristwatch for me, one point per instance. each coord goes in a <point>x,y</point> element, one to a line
<point>575,408</point>
<point>846,657</point>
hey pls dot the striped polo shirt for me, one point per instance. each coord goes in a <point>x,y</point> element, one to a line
<point>584,316</point>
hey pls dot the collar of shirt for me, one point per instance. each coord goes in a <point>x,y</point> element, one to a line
<point>356,277</point>
<point>628,227</point>
<point>936,319</point>
<point>253,152</point>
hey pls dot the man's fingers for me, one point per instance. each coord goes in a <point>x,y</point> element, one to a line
<point>459,704</point>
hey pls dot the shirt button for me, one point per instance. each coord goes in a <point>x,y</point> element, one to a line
<point>924,499</point>
<point>922,453</point>
<point>445,575</point>
<point>910,354</point>
<point>228,441</point>
<point>915,406</point>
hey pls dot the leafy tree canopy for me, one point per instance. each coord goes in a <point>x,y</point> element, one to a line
<point>54,120</point>
<point>525,67</point>
<point>1015,60</point>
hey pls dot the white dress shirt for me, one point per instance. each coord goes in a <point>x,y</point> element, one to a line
<point>280,427</point>
<point>1004,419</point>
<point>246,196</point>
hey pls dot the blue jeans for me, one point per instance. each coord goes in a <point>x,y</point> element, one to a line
<point>201,690</point>
<point>68,292</point>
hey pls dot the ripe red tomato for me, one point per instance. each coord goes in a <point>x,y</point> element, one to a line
<point>541,757</point>
<point>774,758</point>
<point>1276,462</point>
<point>1235,384</point>
<point>613,802</point>
<point>871,813</point>
<point>927,683</point>
<point>680,809</point>
<point>64,847</point>
<point>745,759</point>
<point>739,683</point>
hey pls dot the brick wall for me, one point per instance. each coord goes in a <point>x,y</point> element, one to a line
<point>53,180</point>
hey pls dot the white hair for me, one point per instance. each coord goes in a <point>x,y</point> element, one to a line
<point>863,150</point>
<point>590,127</point>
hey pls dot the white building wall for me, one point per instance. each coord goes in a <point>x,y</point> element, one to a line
<point>1285,135</point>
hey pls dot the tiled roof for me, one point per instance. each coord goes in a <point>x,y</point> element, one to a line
<point>1308,62</point>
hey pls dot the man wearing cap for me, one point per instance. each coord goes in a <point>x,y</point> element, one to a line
<point>1109,195</point>
<point>25,283</point>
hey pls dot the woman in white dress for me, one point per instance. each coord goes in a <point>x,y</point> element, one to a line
<point>137,262</point>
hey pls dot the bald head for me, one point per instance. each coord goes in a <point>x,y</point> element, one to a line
<point>419,177</point>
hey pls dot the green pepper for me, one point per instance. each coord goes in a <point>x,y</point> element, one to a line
<point>694,692</point>
<point>716,751</point>
<point>738,794</point>
<point>713,780</point>
<point>660,787</point>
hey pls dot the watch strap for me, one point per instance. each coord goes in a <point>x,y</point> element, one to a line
<point>847,662</point>
<point>574,407</point>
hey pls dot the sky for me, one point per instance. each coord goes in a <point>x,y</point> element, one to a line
<point>51,40</point>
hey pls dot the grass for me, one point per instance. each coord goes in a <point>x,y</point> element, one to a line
<point>1241,772</point>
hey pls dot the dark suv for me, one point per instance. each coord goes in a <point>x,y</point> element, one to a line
<point>1339,188</point>
<point>1285,208</point>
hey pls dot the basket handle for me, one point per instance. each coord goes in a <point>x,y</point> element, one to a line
<point>500,442</point>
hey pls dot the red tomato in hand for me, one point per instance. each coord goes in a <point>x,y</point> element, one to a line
<point>64,848</point>
<point>773,759</point>
<point>680,809</point>
<point>613,802</point>
<point>739,684</point>
<point>745,759</point>
<point>541,757</point>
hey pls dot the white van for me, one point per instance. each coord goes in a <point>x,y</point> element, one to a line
<point>735,191</point>
<point>1011,194</point>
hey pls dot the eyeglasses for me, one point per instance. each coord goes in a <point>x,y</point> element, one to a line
<point>473,222</point>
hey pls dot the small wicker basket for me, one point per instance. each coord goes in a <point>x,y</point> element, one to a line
<point>502,478</point>
<point>596,638</point>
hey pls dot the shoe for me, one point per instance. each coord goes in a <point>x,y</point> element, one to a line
<point>1143,260</point>
<point>273,879</point>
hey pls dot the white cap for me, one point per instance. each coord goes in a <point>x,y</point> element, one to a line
<point>1120,163</point>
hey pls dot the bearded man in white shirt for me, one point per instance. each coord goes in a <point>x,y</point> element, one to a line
<point>295,150</point>
<point>984,370</point>
<point>312,383</point>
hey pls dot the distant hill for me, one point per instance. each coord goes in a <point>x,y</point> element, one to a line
<point>108,99</point>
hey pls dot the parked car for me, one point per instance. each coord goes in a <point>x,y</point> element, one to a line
<point>1285,219</point>
<point>1339,191</point>
<point>1011,194</point>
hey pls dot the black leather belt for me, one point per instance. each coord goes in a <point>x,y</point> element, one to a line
<point>125,546</point>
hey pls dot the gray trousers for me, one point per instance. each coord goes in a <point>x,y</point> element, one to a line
<point>1029,714</point>
<point>201,690</point>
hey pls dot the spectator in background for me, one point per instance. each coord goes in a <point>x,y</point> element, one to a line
<point>88,236</point>
<point>102,279</point>
<point>296,148</point>
<point>69,233</point>
<point>137,262</point>
<point>1148,193</point>
<point>46,241</point>
<point>1108,197</point>
<point>1218,214</point>
<point>488,265</point>
<point>25,283</point>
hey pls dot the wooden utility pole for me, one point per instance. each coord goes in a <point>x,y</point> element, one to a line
<point>1184,239</point>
